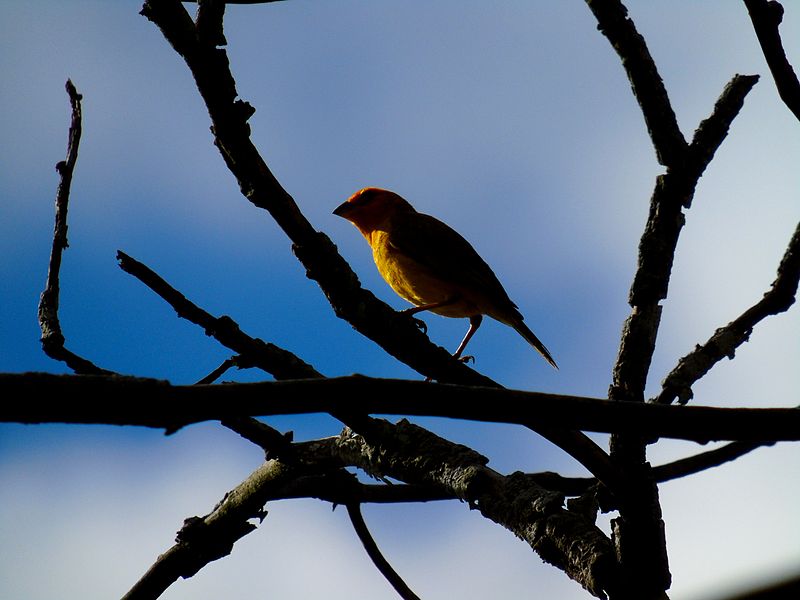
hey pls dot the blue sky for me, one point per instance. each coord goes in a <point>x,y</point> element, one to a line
<point>511,121</point>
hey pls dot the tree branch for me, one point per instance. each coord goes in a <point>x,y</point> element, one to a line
<point>155,403</point>
<point>280,363</point>
<point>52,337</point>
<point>374,553</point>
<point>646,84</point>
<point>204,539</point>
<point>725,341</point>
<point>766,17</point>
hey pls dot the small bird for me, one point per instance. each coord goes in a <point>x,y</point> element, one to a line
<point>431,265</point>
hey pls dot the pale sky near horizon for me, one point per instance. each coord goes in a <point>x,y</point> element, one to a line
<point>514,123</point>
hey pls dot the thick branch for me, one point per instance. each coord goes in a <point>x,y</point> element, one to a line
<point>562,538</point>
<point>155,403</point>
<point>52,336</point>
<point>766,17</point>
<point>725,341</point>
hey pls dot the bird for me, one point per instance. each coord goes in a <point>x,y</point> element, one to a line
<point>431,265</point>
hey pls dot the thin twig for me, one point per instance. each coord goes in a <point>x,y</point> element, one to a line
<point>52,337</point>
<point>226,365</point>
<point>704,460</point>
<point>380,562</point>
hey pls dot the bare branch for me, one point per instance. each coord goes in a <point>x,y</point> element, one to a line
<point>380,562</point>
<point>205,539</point>
<point>155,403</point>
<point>766,17</point>
<point>52,337</point>
<point>648,88</point>
<point>725,341</point>
<point>704,460</point>
<point>281,363</point>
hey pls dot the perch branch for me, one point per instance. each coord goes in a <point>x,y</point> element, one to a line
<point>393,331</point>
<point>285,365</point>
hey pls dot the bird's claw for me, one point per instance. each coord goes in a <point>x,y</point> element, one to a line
<point>466,359</point>
<point>418,322</point>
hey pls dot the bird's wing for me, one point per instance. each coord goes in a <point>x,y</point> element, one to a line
<point>447,255</point>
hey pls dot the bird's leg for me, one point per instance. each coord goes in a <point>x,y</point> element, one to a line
<point>415,309</point>
<point>474,323</point>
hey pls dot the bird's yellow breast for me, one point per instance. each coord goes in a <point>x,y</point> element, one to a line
<point>415,282</point>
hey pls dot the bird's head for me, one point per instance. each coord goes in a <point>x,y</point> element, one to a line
<point>369,209</point>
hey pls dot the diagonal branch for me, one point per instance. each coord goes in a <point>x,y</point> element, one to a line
<point>766,17</point>
<point>646,84</point>
<point>725,341</point>
<point>52,336</point>
<point>394,332</point>
<point>281,363</point>
<point>704,460</point>
<point>204,539</point>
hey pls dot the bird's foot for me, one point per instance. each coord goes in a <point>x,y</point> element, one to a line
<point>418,322</point>
<point>465,359</point>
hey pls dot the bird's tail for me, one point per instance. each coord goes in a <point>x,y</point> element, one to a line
<point>522,329</point>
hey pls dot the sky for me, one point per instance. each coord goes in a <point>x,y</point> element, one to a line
<point>511,121</point>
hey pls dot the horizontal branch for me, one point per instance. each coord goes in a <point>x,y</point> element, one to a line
<point>154,403</point>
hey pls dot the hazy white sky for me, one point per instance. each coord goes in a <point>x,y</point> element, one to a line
<point>513,122</point>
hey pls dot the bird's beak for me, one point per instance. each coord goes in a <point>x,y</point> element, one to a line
<point>343,209</point>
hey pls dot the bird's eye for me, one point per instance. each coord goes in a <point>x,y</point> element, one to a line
<point>366,197</point>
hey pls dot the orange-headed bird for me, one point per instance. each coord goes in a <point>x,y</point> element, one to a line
<point>431,265</point>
